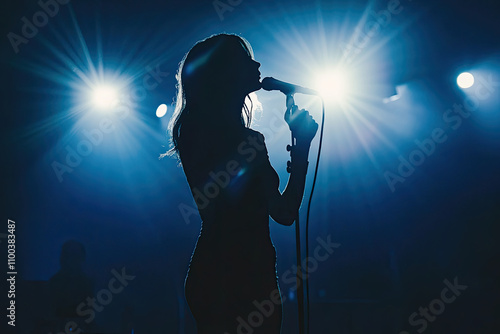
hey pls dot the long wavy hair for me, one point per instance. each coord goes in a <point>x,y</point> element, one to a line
<point>201,82</point>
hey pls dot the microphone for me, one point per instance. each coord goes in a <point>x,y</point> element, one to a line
<point>286,88</point>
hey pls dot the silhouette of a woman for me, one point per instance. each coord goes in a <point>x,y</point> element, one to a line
<point>231,286</point>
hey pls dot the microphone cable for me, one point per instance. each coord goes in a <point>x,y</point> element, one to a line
<point>306,274</point>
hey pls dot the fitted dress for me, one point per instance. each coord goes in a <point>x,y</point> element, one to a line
<point>231,285</point>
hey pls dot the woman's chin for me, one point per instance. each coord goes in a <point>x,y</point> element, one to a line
<point>256,87</point>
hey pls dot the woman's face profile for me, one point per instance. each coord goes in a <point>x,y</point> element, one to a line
<point>245,72</point>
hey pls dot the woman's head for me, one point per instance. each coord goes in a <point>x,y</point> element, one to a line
<point>215,75</point>
<point>219,65</point>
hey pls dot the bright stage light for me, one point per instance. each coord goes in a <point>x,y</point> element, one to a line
<point>465,80</point>
<point>161,110</point>
<point>105,97</point>
<point>333,84</point>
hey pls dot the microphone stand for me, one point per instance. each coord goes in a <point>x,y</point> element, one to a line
<point>300,287</point>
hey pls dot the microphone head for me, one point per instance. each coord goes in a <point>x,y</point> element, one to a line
<point>269,83</point>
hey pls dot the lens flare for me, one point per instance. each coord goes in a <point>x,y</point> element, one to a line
<point>161,110</point>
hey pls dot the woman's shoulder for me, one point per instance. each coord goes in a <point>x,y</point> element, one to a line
<point>254,133</point>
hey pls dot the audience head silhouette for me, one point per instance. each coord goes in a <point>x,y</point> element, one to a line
<point>72,256</point>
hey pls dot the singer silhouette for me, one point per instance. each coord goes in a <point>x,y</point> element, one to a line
<point>232,285</point>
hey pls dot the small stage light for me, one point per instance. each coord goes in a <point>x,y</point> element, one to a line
<point>393,94</point>
<point>465,80</point>
<point>105,97</point>
<point>161,110</point>
<point>391,98</point>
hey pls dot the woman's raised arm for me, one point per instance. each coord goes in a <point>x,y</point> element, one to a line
<point>284,207</point>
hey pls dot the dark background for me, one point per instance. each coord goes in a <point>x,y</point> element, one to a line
<point>122,202</point>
